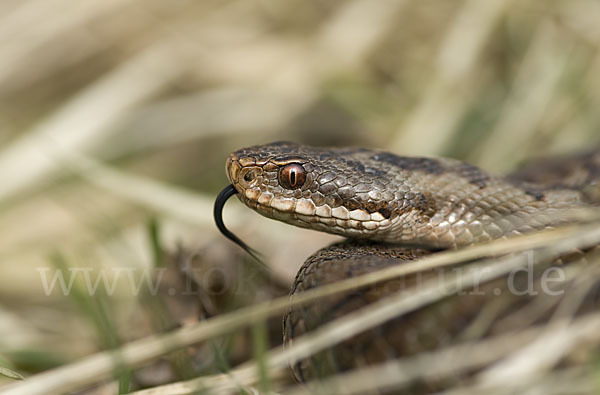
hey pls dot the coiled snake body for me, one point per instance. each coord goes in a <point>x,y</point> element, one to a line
<point>398,209</point>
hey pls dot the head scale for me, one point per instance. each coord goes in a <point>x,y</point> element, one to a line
<point>333,190</point>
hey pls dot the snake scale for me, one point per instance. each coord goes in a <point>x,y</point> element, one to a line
<point>396,209</point>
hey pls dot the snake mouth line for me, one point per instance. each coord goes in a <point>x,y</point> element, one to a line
<point>346,220</point>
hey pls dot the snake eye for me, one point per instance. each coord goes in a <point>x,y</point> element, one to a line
<point>292,176</point>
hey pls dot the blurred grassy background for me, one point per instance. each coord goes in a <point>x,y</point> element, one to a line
<point>119,113</point>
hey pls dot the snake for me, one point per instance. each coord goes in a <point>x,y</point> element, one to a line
<point>394,209</point>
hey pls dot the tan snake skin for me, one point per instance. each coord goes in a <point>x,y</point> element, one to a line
<point>418,204</point>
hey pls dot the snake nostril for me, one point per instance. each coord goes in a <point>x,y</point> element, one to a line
<point>249,176</point>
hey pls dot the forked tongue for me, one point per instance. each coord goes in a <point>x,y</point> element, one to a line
<point>223,196</point>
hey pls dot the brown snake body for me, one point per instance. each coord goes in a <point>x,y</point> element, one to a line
<point>400,209</point>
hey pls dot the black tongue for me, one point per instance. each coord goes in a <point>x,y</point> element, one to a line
<point>223,196</point>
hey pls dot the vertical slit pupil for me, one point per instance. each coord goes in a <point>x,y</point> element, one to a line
<point>292,177</point>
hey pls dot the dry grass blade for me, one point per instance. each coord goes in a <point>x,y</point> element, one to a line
<point>357,28</point>
<point>430,126</point>
<point>375,314</point>
<point>99,366</point>
<point>550,346</point>
<point>154,195</point>
<point>396,305</point>
<point>534,88</point>
<point>446,362</point>
<point>6,372</point>
<point>573,381</point>
<point>20,49</point>
<point>118,112</point>
<point>189,118</point>
<point>38,153</point>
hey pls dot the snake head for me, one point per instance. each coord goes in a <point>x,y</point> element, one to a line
<point>332,190</point>
<point>363,193</point>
